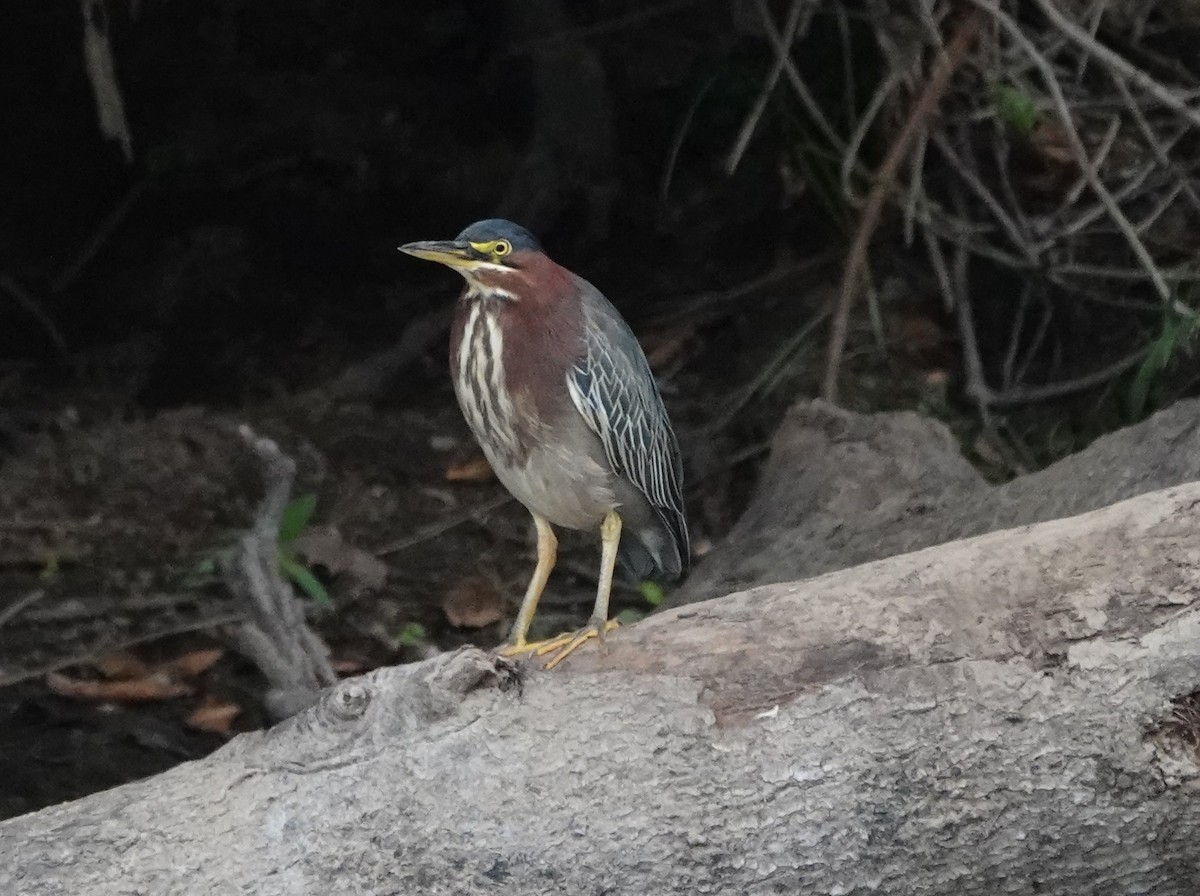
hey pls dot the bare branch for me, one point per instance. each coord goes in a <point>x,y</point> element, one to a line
<point>790,29</point>
<point>1064,110</point>
<point>1113,60</point>
<point>102,73</point>
<point>31,305</point>
<point>923,110</point>
<point>807,100</point>
<point>289,653</point>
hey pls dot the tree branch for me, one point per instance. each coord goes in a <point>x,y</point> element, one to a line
<point>922,112</point>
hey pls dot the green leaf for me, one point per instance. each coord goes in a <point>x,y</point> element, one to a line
<point>302,577</point>
<point>412,635</point>
<point>296,517</point>
<point>50,566</point>
<point>1016,108</point>
<point>1155,363</point>
<point>652,592</point>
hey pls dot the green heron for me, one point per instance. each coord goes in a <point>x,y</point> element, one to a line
<point>560,396</point>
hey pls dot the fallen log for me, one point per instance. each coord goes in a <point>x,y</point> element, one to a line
<point>843,488</point>
<point>986,716</point>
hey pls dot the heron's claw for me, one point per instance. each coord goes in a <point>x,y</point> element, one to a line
<point>566,644</point>
<point>562,645</point>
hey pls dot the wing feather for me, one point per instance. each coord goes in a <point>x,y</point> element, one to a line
<point>614,390</point>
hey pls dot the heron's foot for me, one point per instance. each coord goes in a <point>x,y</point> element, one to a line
<point>518,648</point>
<point>531,648</point>
<point>561,646</point>
<point>567,643</point>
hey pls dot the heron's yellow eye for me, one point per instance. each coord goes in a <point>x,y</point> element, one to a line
<point>501,248</point>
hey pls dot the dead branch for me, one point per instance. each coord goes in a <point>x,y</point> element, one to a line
<point>807,100</point>
<point>20,604</point>
<point>796,23</point>
<point>34,308</point>
<point>1086,164</point>
<point>922,112</point>
<point>433,530</point>
<point>1085,188</point>
<point>98,238</point>
<point>102,73</point>
<point>276,637</point>
<point>1117,63</point>
<point>371,376</point>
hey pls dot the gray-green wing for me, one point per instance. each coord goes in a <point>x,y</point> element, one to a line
<point>614,390</point>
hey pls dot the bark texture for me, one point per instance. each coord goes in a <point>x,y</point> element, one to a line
<point>843,488</point>
<point>981,717</point>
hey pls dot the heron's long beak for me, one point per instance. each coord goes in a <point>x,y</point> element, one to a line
<point>447,252</point>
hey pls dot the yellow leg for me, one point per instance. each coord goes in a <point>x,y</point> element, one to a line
<point>547,554</point>
<point>599,624</point>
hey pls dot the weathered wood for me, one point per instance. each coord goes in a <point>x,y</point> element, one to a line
<point>843,488</point>
<point>975,718</point>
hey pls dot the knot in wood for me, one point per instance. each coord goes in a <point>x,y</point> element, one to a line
<point>349,703</point>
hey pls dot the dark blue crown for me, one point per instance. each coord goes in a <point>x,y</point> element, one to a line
<point>500,229</point>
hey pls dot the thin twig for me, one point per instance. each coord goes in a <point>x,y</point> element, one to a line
<point>1115,61</point>
<point>1096,16</point>
<point>1180,274</point>
<point>850,157</point>
<point>110,223</point>
<point>953,229</point>
<point>1153,141</point>
<point>433,530</point>
<point>750,125</point>
<point>1035,345</point>
<point>30,304</point>
<point>955,290</point>
<point>1165,202</point>
<point>922,112</point>
<point>916,187</point>
<point>768,372</point>
<point>941,273</point>
<point>1003,151</point>
<point>664,187</point>
<point>1034,394</point>
<point>1014,337</point>
<point>371,376</point>
<point>977,387</point>
<point>1106,144</point>
<point>850,95</point>
<point>1007,223</point>
<point>707,306</point>
<point>1087,217</point>
<point>1060,101</point>
<point>18,605</point>
<point>807,100</point>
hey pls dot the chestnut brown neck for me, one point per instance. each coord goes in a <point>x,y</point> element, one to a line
<point>536,308</point>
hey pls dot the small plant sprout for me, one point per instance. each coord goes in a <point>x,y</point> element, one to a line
<point>293,523</point>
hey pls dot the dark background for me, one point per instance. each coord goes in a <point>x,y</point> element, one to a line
<point>283,149</point>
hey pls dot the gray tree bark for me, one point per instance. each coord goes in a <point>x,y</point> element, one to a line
<point>981,717</point>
